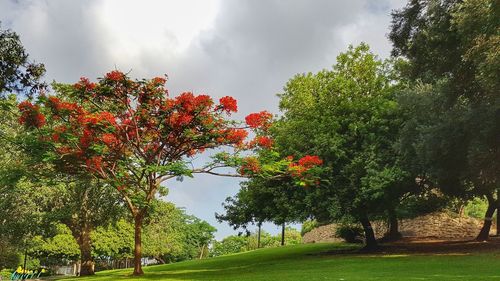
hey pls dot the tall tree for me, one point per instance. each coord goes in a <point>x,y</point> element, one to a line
<point>451,58</point>
<point>349,117</point>
<point>83,204</point>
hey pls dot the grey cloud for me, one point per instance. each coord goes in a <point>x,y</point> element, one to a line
<point>252,49</point>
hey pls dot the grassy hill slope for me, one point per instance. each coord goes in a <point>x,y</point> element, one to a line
<point>310,262</point>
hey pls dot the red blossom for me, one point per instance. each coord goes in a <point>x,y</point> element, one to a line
<point>296,170</point>
<point>310,161</point>
<point>184,119</point>
<point>30,115</point>
<point>94,163</point>
<point>259,120</point>
<point>186,101</point>
<point>86,138</point>
<point>115,75</point>
<point>109,139</point>
<point>106,116</point>
<point>236,136</point>
<point>159,80</point>
<point>57,105</point>
<point>203,101</point>
<point>228,104</point>
<point>249,166</point>
<point>264,141</point>
<point>84,84</point>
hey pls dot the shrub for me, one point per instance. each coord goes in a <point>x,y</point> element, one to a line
<point>351,233</point>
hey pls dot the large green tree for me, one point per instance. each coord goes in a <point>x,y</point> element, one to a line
<point>451,59</point>
<point>349,117</point>
<point>83,204</point>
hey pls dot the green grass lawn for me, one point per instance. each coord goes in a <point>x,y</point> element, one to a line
<point>304,262</point>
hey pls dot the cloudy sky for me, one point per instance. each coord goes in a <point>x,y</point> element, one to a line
<point>247,49</point>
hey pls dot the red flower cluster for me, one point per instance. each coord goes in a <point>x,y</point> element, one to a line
<point>94,163</point>
<point>109,139</point>
<point>262,141</point>
<point>115,75</point>
<point>297,169</point>
<point>260,120</point>
<point>188,102</point>
<point>235,136</point>
<point>310,161</point>
<point>142,119</point>
<point>56,105</point>
<point>84,84</point>
<point>249,166</point>
<point>30,115</point>
<point>229,104</point>
<point>159,80</point>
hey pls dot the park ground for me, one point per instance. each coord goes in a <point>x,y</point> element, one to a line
<point>406,260</point>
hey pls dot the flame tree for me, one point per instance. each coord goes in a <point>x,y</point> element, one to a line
<point>134,136</point>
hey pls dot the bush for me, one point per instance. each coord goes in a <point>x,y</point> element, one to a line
<point>5,274</point>
<point>9,257</point>
<point>307,226</point>
<point>476,208</point>
<point>351,233</point>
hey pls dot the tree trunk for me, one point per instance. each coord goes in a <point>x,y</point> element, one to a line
<point>498,221</point>
<point>201,251</point>
<point>283,235</point>
<point>393,233</point>
<point>137,246</point>
<point>370,241</point>
<point>87,263</point>
<point>484,234</point>
<point>498,213</point>
<point>258,236</point>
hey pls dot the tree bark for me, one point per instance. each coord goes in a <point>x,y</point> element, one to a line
<point>283,235</point>
<point>393,233</point>
<point>498,221</point>
<point>370,241</point>
<point>484,234</point>
<point>258,236</point>
<point>138,243</point>
<point>201,251</point>
<point>498,213</point>
<point>85,244</point>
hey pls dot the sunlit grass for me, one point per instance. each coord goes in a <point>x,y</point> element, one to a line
<point>309,262</point>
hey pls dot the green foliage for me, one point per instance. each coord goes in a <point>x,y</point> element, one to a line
<point>115,241</point>
<point>476,208</point>
<point>307,226</point>
<point>9,257</point>
<point>238,243</point>
<point>351,233</point>
<point>264,199</point>
<point>229,245</point>
<point>350,118</point>
<point>169,235</point>
<point>17,73</point>
<point>54,249</point>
